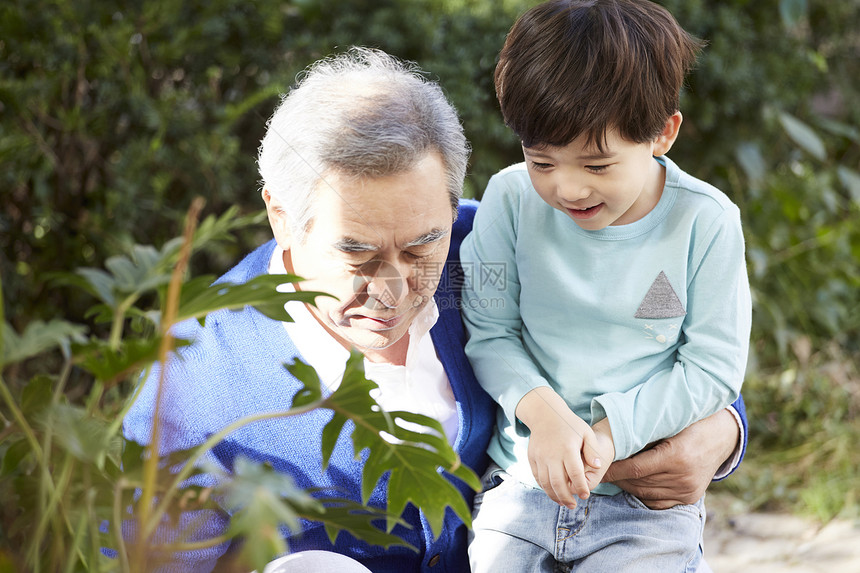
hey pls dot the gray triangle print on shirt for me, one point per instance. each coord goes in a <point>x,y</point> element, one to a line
<point>660,301</point>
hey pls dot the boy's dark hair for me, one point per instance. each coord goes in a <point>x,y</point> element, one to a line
<point>574,67</point>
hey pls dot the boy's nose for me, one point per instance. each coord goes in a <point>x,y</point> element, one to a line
<point>572,191</point>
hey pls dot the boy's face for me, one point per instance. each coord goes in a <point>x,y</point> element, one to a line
<point>616,187</point>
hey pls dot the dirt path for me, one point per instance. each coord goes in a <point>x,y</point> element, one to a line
<point>777,543</point>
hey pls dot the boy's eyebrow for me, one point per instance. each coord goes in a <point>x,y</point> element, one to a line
<point>597,156</point>
<point>533,150</point>
<point>592,156</point>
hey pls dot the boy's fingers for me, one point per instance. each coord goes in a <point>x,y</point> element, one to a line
<point>590,453</point>
<point>576,474</point>
<point>560,485</point>
<point>593,479</point>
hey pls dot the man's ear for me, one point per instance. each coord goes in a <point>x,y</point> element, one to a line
<point>278,220</point>
<point>664,141</point>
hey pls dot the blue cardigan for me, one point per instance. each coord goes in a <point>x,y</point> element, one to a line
<point>234,369</point>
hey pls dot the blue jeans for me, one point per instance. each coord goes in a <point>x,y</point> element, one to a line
<point>519,529</point>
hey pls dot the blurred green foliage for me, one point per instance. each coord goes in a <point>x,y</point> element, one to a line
<point>113,115</point>
<point>803,437</point>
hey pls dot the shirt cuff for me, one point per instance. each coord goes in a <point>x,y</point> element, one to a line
<point>735,459</point>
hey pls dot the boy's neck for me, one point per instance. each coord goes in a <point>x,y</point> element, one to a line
<point>650,197</point>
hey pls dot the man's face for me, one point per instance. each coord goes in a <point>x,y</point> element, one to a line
<point>378,245</point>
<point>596,189</point>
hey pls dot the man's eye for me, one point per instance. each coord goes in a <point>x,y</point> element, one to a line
<point>357,264</point>
<point>417,256</point>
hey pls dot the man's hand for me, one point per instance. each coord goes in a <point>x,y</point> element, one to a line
<point>556,445</point>
<point>677,470</point>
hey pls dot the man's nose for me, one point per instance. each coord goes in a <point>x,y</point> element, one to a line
<point>387,284</point>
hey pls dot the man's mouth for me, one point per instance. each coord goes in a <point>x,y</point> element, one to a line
<point>374,323</point>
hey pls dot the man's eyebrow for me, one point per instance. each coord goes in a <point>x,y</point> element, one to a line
<point>350,245</point>
<point>430,237</point>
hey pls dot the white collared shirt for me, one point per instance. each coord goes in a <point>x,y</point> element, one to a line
<point>420,386</point>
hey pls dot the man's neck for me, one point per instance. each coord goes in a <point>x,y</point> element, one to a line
<point>394,354</point>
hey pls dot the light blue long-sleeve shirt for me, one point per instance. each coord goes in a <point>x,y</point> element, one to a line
<point>647,323</point>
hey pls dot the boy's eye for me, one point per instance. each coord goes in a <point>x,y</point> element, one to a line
<point>596,168</point>
<point>539,166</point>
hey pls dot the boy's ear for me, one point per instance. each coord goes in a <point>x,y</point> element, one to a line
<point>664,141</point>
<point>278,220</point>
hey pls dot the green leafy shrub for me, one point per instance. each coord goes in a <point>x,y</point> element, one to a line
<point>803,434</point>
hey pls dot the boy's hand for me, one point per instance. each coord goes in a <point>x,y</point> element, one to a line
<point>558,438</point>
<point>604,451</point>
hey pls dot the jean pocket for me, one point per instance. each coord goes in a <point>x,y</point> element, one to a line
<point>492,479</point>
<point>634,502</point>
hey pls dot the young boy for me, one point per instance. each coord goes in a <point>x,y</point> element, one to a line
<point>625,310</point>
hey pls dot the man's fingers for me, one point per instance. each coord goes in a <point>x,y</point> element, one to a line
<point>639,466</point>
<point>657,497</point>
<point>661,503</point>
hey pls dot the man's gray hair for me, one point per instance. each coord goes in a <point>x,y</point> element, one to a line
<point>359,114</point>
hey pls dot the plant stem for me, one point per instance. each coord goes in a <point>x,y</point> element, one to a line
<point>116,328</point>
<point>150,465</point>
<point>93,516</point>
<point>76,541</point>
<point>46,487</point>
<point>118,323</point>
<point>46,513</point>
<point>22,423</point>
<point>121,484</point>
<point>115,426</point>
<point>95,396</point>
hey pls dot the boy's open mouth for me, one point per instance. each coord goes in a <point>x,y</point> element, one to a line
<point>585,213</point>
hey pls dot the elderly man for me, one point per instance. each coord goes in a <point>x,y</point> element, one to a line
<point>363,166</point>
